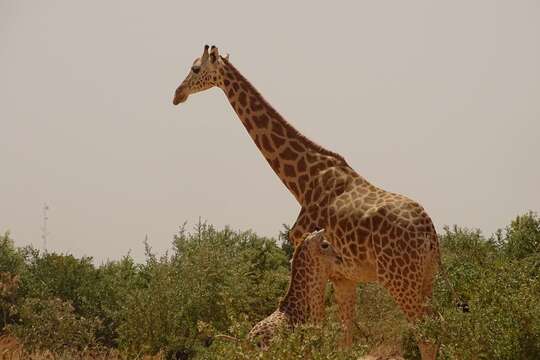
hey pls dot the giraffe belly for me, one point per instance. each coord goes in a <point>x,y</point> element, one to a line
<point>364,274</point>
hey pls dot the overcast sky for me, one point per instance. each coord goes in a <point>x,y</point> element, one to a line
<point>437,101</point>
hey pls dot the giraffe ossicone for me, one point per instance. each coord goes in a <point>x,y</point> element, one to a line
<point>382,237</point>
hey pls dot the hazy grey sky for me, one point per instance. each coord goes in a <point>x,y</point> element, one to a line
<point>436,100</point>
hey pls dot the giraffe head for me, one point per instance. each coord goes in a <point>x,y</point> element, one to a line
<point>313,262</point>
<point>203,75</point>
<point>316,253</point>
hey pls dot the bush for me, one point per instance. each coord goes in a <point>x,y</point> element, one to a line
<point>212,276</point>
<point>11,260</point>
<point>522,237</point>
<point>502,292</point>
<point>53,325</point>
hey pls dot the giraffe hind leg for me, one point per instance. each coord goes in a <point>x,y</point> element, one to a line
<point>412,294</point>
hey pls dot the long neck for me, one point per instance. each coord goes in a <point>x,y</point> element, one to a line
<point>304,300</point>
<point>292,156</point>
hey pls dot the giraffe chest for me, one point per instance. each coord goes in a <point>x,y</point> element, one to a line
<point>347,220</point>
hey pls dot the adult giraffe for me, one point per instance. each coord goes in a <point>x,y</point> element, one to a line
<point>382,237</point>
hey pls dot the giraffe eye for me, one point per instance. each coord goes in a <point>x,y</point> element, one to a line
<point>325,245</point>
<point>195,69</point>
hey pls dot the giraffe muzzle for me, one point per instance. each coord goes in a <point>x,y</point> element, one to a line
<point>179,96</point>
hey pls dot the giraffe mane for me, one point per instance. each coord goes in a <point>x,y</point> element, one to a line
<point>313,145</point>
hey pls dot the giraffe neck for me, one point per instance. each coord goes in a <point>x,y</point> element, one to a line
<point>304,300</point>
<point>293,157</point>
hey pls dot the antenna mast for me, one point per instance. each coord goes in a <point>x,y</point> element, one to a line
<point>44,231</point>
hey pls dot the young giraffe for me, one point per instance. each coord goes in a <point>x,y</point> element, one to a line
<point>382,237</point>
<point>312,263</point>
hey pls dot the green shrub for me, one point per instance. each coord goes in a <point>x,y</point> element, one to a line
<point>522,237</point>
<point>502,292</point>
<point>53,325</point>
<point>11,260</point>
<point>116,281</point>
<point>212,276</point>
<point>61,276</point>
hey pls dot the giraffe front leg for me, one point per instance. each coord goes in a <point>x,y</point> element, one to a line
<point>345,296</point>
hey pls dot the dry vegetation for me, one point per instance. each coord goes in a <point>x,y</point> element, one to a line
<point>11,349</point>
